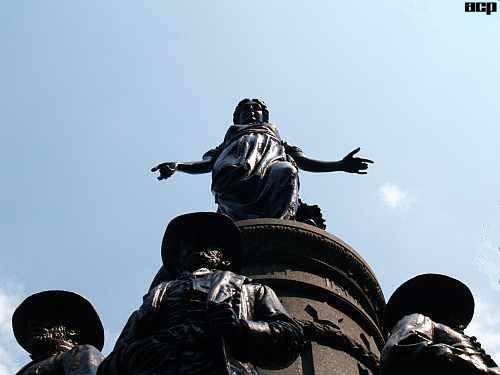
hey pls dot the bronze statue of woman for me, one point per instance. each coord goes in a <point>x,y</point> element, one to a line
<point>254,172</point>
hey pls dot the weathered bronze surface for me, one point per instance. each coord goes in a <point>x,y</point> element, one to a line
<point>255,172</point>
<point>327,286</point>
<point>426,317</point>
<point>205,320</point>
<point>314,305</point>
<point>62,332</point>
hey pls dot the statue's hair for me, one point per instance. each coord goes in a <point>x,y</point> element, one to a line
<point>56,336</point>
<point>237,110</point>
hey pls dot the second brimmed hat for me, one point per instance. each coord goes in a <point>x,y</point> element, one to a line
<point>199,230</point>
<point>442,298</point>
<point>67,308</point>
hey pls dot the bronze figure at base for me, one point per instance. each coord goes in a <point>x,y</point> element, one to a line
<point>206,319</point>
<point>426,316</point>
<point>62,332</point>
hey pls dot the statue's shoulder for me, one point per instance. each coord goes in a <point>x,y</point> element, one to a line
<point>50,365</point>
<point>411,329</point>
<point>414,319</point>
<point>155,295</point>
<point>231,131</point>
<point>25,368</point>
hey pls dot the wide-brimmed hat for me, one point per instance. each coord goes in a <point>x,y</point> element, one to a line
<point>197,231</point>
<point>442,298</point>
<point>68,308</point>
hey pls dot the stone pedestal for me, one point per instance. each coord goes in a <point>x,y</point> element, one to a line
<point>319,278</point>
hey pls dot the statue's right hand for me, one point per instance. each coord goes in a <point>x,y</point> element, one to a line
<point>166,170</point>
<point>223,321</point>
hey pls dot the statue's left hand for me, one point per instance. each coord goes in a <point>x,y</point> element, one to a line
<point>352,164</point>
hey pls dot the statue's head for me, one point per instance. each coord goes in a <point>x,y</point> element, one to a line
<point>201,240</point>
<point>251,111</point>
<point>55,321</point>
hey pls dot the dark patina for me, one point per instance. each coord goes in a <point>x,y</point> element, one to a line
<point>255,172</point>
<point>426,317</point>
<point>206,319</point>
<point>62,332</point>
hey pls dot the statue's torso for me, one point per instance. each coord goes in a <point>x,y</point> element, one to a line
<point>250,149</point>
<point>252,175</point>
<point>177,340</point>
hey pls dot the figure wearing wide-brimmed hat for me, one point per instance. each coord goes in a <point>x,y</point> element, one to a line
<point>62,332</point>
<point>426,317</point>
<point>205,319</point>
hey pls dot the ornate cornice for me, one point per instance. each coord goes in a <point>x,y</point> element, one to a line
<point>291,239</point>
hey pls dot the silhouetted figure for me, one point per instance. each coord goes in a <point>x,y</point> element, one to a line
<point>426,316</point>
<point>255,173</point>
<point>62,332</point>
<point>205,319</point>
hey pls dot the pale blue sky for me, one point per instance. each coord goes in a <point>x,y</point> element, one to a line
<point>95,93</point>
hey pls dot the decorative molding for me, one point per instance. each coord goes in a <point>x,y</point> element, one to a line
<point>320,245</point>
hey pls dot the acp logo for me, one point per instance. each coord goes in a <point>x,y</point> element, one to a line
<point>488,8</point>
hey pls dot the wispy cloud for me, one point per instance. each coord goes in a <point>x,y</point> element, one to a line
<point>394,197</point>
<point>10,352</point>
<point>488,263</point>
<point>486,327</point>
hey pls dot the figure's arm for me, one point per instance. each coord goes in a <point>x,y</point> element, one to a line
<point>137,327</point>
<point>271,340</point>
<point>349,163</point>
<point>329,334</point>
<point>467,351</point>
<point>195,167</point>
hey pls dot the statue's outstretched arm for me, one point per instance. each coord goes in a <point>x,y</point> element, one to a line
<point>196,167</point>
<point>349,163</point>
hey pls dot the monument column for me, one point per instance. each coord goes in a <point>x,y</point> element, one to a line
<point>320,279</point>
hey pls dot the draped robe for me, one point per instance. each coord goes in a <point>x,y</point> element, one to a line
<point>252,175</point>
